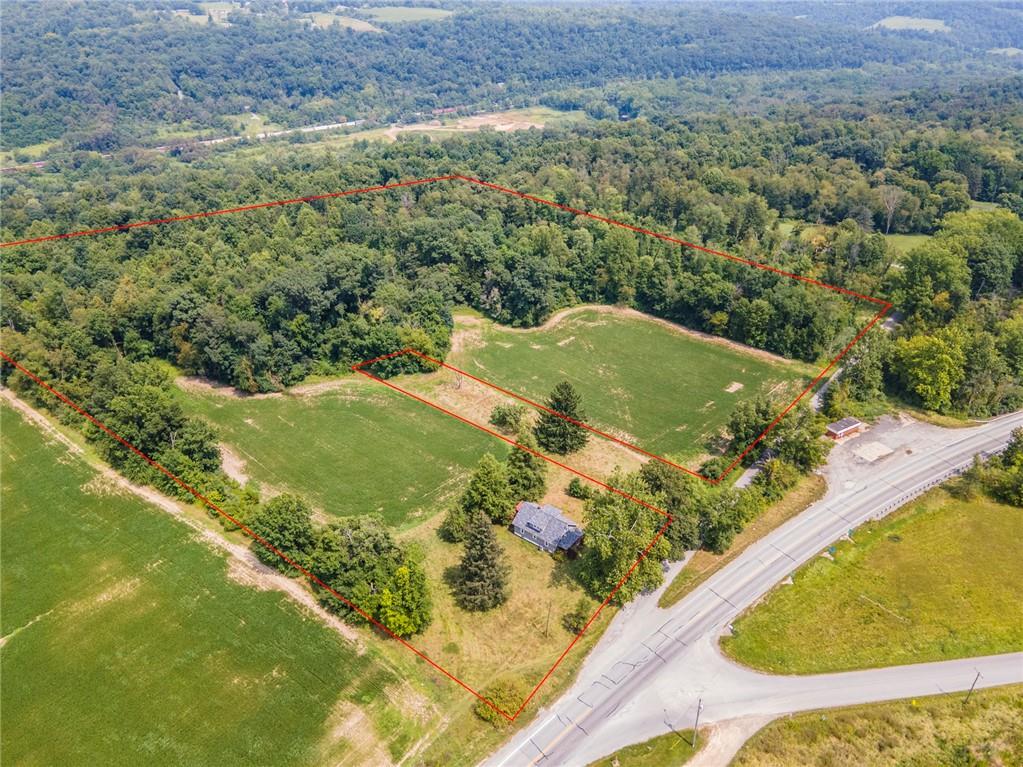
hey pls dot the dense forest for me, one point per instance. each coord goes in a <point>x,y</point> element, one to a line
<point>263,299</point>
<point>105,74</point>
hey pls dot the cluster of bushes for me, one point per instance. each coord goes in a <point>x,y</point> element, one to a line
<point>1001,476</point>
<point>356,557</point>
<point>958,348</point>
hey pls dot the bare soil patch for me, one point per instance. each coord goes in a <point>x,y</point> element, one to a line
<point>199,385</point>
<point>498,121</point>
<point>351,739</point>
<point>233,464</point>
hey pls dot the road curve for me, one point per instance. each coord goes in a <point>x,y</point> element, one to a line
<point>652,666</point>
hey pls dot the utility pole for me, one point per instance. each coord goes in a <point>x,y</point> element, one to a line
<point>696,727</point>
<point>547,629</point>
<point>970,693</point>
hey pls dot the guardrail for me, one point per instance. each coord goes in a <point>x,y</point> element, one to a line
<point>923,487</point>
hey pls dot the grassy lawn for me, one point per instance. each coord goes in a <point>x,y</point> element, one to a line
<point>326,20</point>
<point>399,13</point>
<point>705,563</point>
<point>985,206</point>
<point>915,23</point>
<point>656,386</point>
<point>161,658</point>
<point>903,243</point>
<point>26,154</point>
<point>940,579</point>
<point>669,750</point>
<point>940,730</point>
<point>524,637</point>
<point>251,124</point>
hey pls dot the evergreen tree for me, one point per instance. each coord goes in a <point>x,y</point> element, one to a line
<point>555,433</point>
<point>488,492</point>
<point>527,473</point>
<point>455,525</point>
<point>483,574</point>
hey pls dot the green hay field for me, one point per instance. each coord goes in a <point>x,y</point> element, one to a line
<point>118,618</point>
<point>655,386</point>
<point>940,579</point>
<point>358,450</point>
<point>125,641</point>
<point>361,448</point>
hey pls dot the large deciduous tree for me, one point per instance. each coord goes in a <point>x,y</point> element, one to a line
<point>359,559</point>
<point>286,524</point>
<point>930,367</point>
<point>618,531</point>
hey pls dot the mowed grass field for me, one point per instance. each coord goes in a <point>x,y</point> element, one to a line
<point>360,449</point>
<point>126,642</point>
<point>663,389</point>
<point>401,13</point>
<point>939,730</point>
<point>940,579</point>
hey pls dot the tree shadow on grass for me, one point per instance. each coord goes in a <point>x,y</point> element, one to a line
<point>567,571</point>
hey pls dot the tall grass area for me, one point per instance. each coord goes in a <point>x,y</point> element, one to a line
<point>126,642</point>
<point>940,579</point>
<point>941,730</point>
<point>661,388</point>
<point>670,750</point>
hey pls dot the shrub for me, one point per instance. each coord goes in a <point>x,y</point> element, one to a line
<point>577,489</point>
<point>507,694</point>
<point>508,417</point>
<point>455,525</point>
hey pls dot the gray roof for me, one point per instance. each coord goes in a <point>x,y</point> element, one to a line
<point>844,424</point>
<point>547,523</point>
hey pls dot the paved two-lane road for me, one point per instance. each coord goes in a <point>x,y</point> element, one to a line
<point>652,666</point>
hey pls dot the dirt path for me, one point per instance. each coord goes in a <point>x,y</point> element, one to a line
<point>621,311</point>
<point>724,739</point>
<point>197,385</point>
<point>243,566</point>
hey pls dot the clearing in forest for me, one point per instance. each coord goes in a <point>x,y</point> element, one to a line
<point>668,390</point>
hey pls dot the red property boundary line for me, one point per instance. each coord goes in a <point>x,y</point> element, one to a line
<point>313,578</point>
<point>885,307</point>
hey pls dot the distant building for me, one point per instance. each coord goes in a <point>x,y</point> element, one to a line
<point>545,526</point>
<point>845,428</point>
